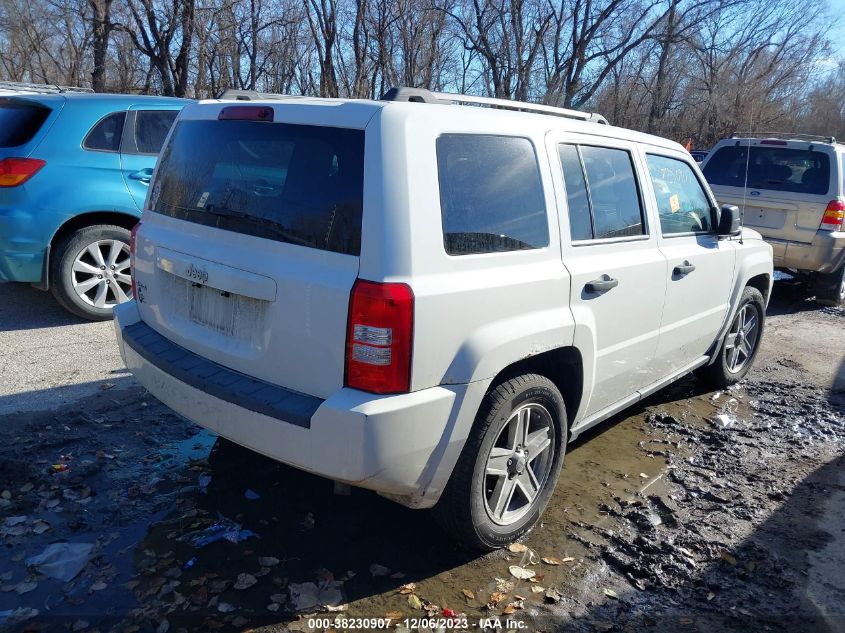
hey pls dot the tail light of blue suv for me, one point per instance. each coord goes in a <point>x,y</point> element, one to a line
<point>16,171</point>
<point>833,216</point>
<point>379,337</point>
<point>133,236</point>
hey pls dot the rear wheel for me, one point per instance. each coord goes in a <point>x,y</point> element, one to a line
<point>509,466</point>
<point>830,287</point>
<point>736,355</point>
<point>89,271</point>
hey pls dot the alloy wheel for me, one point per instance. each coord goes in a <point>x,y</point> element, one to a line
<point>742,338</point>
<point>100,274</point>
<point>519,464</point>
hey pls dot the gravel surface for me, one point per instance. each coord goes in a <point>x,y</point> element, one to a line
<point>693,511</point>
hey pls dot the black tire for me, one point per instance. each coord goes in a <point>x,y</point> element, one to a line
<point>61,269</point>
<point>463,508</point>
<point>719,373</point>
<point>830,287</point>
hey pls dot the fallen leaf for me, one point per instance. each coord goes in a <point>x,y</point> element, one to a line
<point>430,607</point>
<point>497,596</point>
<point>611,594</point>
<point>393,615</point>
<point>239,621</point>
<point>15,520</point>
<point>517,548</point>
<point>551,560</point>
<point>268,561</point>
<point>521,573</point>
<point>643,475</point>
<point>340,607</point>
<point>245,581</point>
<point>27,487</point>
<point>80,625</point>
<point>727,557</point>
<point>409,588</point>
<point>537,589</point>
<point>225,607</point>
<point>273,606</point>
<point>552,595</point>
<point>509,609</point>
<point>377,570</point>
<point>711,595</point>
<point>98,586</point>
<point>468,594</point>
<point>414,601</point>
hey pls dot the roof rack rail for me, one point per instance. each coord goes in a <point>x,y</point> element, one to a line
<point>787,135</point>
<point>17,86</point>
<point>254,95</point>
<point>421,95</point>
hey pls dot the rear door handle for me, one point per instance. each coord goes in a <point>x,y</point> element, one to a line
<point>145,175</point>
<point>683,269</point>
<point>605,283</point>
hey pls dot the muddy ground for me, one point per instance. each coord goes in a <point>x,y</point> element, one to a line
<point>695,511</point>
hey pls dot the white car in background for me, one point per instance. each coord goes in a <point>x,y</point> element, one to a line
<point>426,299</point>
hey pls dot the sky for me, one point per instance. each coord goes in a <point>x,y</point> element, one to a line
<point>837,9</point>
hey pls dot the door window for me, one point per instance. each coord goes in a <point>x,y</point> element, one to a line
<point>601,185</point>
<point>151,128</point>
<point>491,196</point>
<point>682,202</point>
<point>105,135</point>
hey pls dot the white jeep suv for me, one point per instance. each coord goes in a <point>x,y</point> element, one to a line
<point>430,295</point>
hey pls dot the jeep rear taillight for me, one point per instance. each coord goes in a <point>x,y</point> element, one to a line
<point>16,171</point>
<point>132,240</point>
<point>833,216</point>
<point>379,336</point>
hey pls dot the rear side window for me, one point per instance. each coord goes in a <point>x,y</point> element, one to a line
<point>773,168</point>
<point>291,183</point>
<point>603,177</point>
<point>106,134</point>
<point>681,201</point>
<point>151,128</point>
<point>20,122</point>
<point>491,196</point>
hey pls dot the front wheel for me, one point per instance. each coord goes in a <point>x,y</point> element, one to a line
<point>509,466</point>
<point>89,271</point>
<point>736,355</point>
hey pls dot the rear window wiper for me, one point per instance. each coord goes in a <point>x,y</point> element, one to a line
<point>271,225</point>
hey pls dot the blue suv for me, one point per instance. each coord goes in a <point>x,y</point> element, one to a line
<point>74,172</point>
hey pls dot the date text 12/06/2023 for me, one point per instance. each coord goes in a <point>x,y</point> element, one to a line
<point>451,623</point>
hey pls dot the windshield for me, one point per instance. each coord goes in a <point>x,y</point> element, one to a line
<point>20,121</point>
<point>292,183</point>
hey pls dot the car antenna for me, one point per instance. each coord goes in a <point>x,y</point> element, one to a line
<point>747,161</point>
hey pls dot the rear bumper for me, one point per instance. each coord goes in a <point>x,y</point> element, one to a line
<point>391,444</point>
<point>824,254</point>
<point>22,247</point>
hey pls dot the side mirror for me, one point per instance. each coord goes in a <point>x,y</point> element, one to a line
<point>729,221</point>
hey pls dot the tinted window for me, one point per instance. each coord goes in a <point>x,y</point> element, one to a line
<point>151,128</point>
<point>613,190</point>
<point>578,202</point>
<point>105,135</point>
<point>19,122</point>
<point>681,201</point>
<point>491,197</point>
<point>291,183</point>
<point>773,168</point>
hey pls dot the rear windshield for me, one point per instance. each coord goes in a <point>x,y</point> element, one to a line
<point>773,168</point>
<point>292,183</point>
<point>19,122</point>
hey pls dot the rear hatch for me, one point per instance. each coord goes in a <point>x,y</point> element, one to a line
<point>250,240</point>
<point>789,184</point>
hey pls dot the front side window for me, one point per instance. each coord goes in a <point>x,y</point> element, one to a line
<point>106,134</point>
<point>770,168</point>
<point>602,178</point>
<point>151,128</point>
<point>299,184</point>
<point>491,195</point>
<point>681,201</point>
